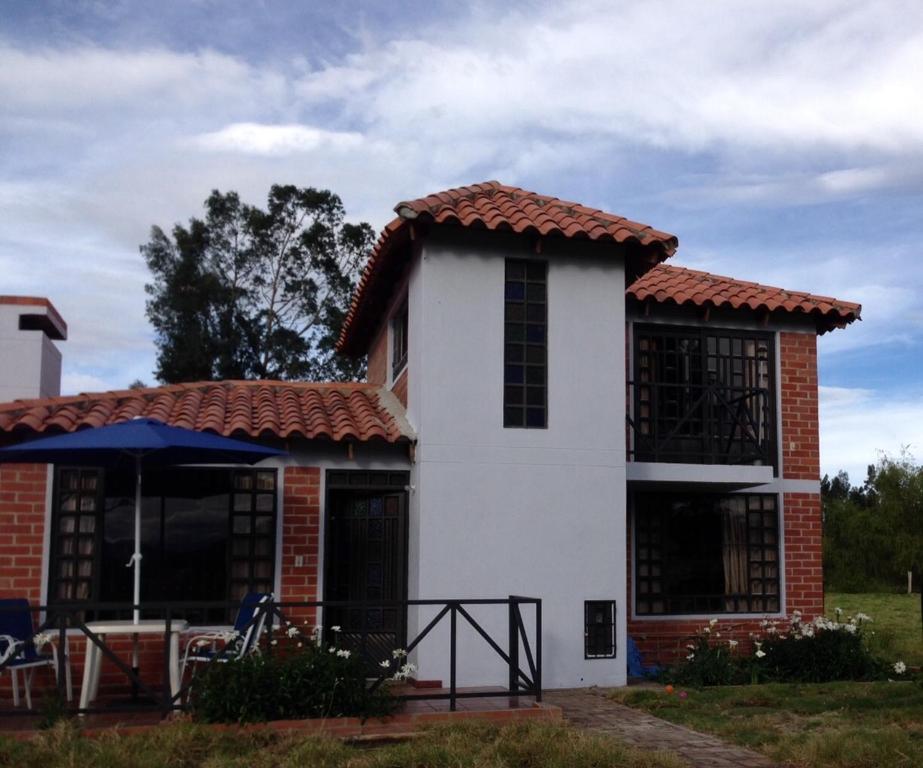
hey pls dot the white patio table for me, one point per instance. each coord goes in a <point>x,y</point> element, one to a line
<point>92,662</point>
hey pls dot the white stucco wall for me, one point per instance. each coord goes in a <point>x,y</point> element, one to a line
<point>501,511</point>
<point>30,363</point>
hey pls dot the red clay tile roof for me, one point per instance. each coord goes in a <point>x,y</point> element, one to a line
<point>689,286</point>
<point>231,408</point>
<point>489,206</point>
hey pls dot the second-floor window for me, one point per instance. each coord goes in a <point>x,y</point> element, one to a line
<point>399,328</point>
<point>525,351</point>
<point>703,396</point>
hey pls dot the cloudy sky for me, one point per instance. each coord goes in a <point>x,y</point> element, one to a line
<point>782,142</point>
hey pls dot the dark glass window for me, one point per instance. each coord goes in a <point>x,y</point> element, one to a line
<point>399,327</point>
<point>75,535</point>
<point>525,356</point>
<point>599,629</point>
<point>703,396</point>
<point>207,534</point>
<point>697,553</point>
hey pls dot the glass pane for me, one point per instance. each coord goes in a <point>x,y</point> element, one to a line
<point>65,590</point>
<point>535,292</point>
<point>263,524</point>
<point>240,546</point>
<point>67,524</point>
<point>262,546</point>
<point>376,506</point>
<point>515,292</point>
<point>87,503</point>
<point>241,524</point>
<point>240,569</point>
<point>66,569</point>
<point>87,524</point>
<point>242,502</point>
<point>535,354</point>
<point>243,481</point>
<point>88,482</point>
<point>265,502</point>
<point>515,313</point>
<point>266,481</point>
<point>514,374</point>
<point>513,395</point>
<point>87,546</point>
<point>535,334</point>
<point>535,417</point>
<point>262,569</point>
<point>515,269</point>
<point>69,502</point>
<point>70,480</point>
<point>535,270</point>
<point>535,374</point>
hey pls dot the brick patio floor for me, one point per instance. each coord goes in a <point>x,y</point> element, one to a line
<point>590,708</point>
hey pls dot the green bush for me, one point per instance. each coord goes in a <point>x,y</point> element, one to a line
<point>710,661</point>
<point>309,682</point>
<point>819,651</point>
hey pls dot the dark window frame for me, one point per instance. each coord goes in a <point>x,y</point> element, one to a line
<point>651,561</point>
<point>602,633</point>
<point>55,555</point>
<point>525,344</point>
<point>400,331</point>
<point>679,421</point>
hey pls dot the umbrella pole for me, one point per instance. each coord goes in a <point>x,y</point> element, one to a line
<point>136,599</point>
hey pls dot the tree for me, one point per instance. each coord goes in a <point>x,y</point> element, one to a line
<point>251,293</point>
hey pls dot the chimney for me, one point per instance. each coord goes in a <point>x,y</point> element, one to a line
<point>30,363</point>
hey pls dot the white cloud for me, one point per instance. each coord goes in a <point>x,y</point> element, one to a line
<point>856,425</point>
<point>74,383</point>
<point>260,139</point>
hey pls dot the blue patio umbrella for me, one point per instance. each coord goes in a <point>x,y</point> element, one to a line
<point>143,443</point>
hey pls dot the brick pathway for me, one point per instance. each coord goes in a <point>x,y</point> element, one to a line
<point>590,708</point>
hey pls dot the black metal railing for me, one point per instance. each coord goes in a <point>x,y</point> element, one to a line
<point>710,423</point>
<point>68,625</point>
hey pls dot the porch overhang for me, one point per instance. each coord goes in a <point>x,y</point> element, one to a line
<point>700,477</point>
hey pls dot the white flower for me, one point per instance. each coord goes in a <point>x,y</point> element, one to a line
<point>771,631</point>
<point>343,653</point>
<point>385,664</point>
<point>404,672</point>
<point>760,654</point>
<point>336,629</point>
<point>690,657</point>
<point>398,653</point>
<point>713,622</point>
<point>900,668</point>
<point>863,617</point>
<point>690,646</point>
<point>732,643</point>
<point>838,612</point>
<point>292,632</point>
<point>40,639</point>
<point>706,630</point>
<point>332,649</point>
<point>274,642</point>
<point>300,645</point>
<point>851,628</point>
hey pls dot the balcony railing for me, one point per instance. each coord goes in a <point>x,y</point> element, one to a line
<point>66,624</point>
<point>700,423</point>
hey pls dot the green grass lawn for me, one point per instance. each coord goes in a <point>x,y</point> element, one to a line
<point>526,745</point>
<point>834,725</point>
<point>895,622</point>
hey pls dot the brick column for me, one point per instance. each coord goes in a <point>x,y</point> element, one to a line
<point>22,529</point>
<point>301,511</point>
<point>804,575</point>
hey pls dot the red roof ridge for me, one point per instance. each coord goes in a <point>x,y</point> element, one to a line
<point>683,285</point>
<point>493,206</point>
<point>254,408</point>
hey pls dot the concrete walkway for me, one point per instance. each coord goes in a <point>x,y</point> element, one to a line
<point>590,708</point>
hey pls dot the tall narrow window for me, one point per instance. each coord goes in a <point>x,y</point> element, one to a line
<point>399,324</point>
<point>599,629</point>
<point>525,356</point>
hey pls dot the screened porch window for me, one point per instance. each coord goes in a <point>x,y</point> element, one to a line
<point>207,535</point>
<point>702,554</point>
<point>702,396</point>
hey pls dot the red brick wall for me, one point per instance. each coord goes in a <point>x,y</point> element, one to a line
<point>800,436</point>
<point>22,529</point>
<point>664,640</point>
<point>378,360</point>
<point>400,388</point>
<point>301,509</point>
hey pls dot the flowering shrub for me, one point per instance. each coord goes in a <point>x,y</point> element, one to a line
<point>815,652</point>
<point>792,651</point>
<point>300,678</point>
<point>710,660</point>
